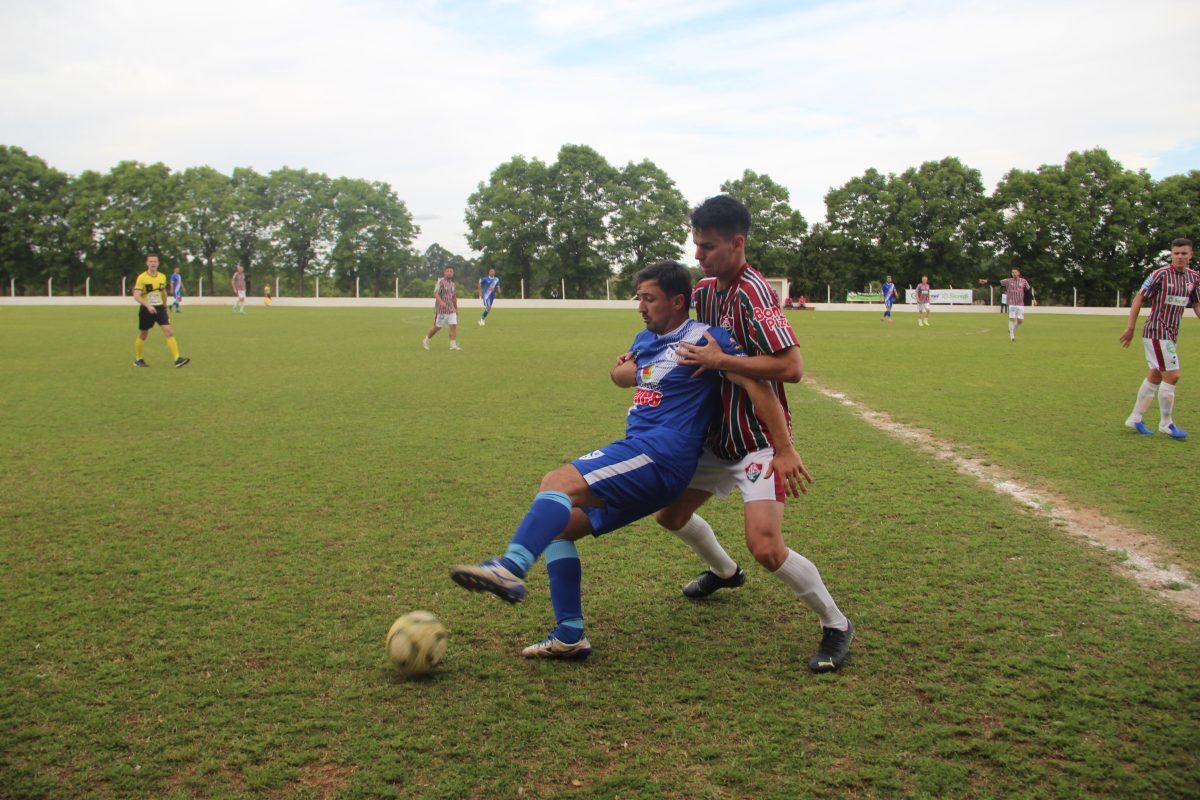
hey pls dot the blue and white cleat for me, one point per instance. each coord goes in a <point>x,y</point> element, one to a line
<point>1172,431</point>
<point>1139,426</point>
<point>490,576</point>
<point>553,647</point>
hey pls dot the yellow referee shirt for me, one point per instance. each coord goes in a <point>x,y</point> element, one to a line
<point>152,288</point>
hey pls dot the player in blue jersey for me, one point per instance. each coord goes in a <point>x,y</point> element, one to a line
<point>634,477</point>
<point>176,288</point>
<point>488,286</point>
<point>889,297</point>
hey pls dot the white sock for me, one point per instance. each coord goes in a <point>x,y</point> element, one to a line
<point>1145,397</point>
<point>1012,329</point>
<point>802,576</point>
<point>1166,404</point>
<point>699,536</point>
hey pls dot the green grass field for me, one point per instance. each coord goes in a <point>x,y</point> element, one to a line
<point>200,566</point>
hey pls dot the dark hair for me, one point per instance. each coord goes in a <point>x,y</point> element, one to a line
<point>671,276</point>
<point>1182,243</point>
<point>152,254</point>
<point>723,214</point>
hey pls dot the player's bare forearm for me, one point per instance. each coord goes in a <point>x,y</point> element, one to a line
<point>1134,308</point>
<point>787,462</point>
<point>785,366</point>
<point>624,374</point>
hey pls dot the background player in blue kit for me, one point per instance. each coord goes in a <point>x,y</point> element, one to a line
<point>176,288</point>
<point>631,478</point>
<point>488,286</point>
<point>889,297</point>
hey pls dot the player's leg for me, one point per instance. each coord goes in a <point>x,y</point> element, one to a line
<point>712,476</point>
<point>139,342</point>
<point>432,332</point>
<point>560,492</point>
<point>1166,396</point>
<point>1146,392</point>
<point>454,335</point>
<point>563,568</point>
<point>764,538</point>
<point>1012,323</point>
<point>172,344</point>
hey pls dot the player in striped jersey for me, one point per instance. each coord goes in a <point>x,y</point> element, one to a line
<point>923,292</point>
<point>736,297</point>
<point>1016,289</point>
<point>1170,290</point>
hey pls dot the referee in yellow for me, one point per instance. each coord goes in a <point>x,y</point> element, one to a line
<point>150,293</point>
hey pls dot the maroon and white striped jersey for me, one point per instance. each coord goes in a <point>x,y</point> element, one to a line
<point>749,311</point>
<point>1014,290</point>
<point>1170,292</point>
<point>445,296</point>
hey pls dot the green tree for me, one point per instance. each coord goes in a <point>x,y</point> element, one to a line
<point>300,220</point>
<point>33,209</point>
<point>140,215</point>
<point>508,218</point>
<point>581,191</point>
<point>650,222</point>
<point>249,223</point>
<point>861,217</point>
<point>205,201</point>
<point>1175,211</point>
<point>374,234</point>
<point>776,229</point>
<point>943,213</point>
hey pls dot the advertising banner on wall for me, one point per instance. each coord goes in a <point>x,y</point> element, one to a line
<point>943,296</point>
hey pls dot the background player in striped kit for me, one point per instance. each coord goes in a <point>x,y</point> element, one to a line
<point>1170,290</point>
<point>923,291</point>
<point>445,309</point>
<point>1015,289</point>
<point>736,297</point>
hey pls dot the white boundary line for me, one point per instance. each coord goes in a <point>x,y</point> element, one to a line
<point>1147,560</point>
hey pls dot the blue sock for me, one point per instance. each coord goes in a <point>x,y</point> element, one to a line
<point>546,519</point>
<point>566,593</point>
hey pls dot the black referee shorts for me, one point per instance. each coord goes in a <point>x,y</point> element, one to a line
<point>148,319</point>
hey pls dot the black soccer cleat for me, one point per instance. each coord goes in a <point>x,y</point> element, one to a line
<point>835,646</point>
<point>708,582</point>
<point>140,363</point>
<point>181,361</point>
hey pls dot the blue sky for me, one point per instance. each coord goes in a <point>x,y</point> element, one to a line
<point>431,96</point>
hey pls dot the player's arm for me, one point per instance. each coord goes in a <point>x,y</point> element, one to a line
<point>783,366</point>
<point>768,409</point>
<point>139,297</point>
<point>624,373</point>
<point>1134,308</point>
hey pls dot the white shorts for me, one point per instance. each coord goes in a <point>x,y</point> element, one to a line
<point>442,320</point>
<point>1016,312</point>
<point>1161,354</point>
<point>922,306</point>
<point>242,294</point>
<point>721,477</point>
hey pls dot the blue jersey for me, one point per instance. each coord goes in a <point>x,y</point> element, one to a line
<point>176,284</point>
<point>889,293</point>
<point>668,397</point>
<point>487,286</point>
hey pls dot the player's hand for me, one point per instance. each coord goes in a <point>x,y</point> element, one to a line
<point>621,359</point>
<point>795,475</point>
<point>706,356</point>
<point>1127,337</point>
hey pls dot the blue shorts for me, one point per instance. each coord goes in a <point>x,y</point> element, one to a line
<point>488,300</point>
<point>635,479</point>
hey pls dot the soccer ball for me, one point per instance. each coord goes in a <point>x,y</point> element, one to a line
<point>416,643</point>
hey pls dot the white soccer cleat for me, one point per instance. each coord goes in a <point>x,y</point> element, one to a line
<point>425,343</point>
<point>454,346</point>
<point>553,647</point>
<point>482,323</point>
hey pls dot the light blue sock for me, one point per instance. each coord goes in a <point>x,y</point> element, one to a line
<point>547,517</point>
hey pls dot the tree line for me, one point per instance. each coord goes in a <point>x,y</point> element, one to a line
<point>1088,224</point>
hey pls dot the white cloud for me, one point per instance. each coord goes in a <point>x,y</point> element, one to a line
<point>433,97</point>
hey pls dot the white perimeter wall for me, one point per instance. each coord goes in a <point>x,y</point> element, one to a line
<point>503,303</point>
